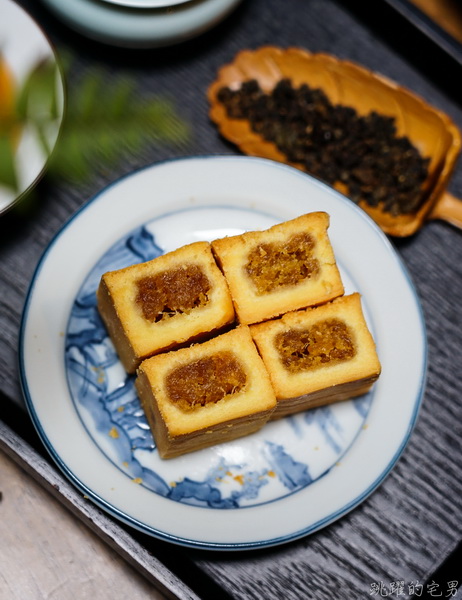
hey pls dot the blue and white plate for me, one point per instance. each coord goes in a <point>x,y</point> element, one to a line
<point>290,479</point>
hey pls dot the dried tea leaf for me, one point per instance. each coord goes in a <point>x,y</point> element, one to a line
<point>351,85</point>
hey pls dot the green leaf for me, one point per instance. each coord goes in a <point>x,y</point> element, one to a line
<point>121,97</point>
<point>8,176</point>
<point>88,98</point>
<point>37,99</point>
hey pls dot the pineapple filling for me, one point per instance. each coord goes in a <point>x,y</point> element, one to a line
<point>172,292</point>
<point>326,342</point>
<point>274,265</point>
<point>205,381</point>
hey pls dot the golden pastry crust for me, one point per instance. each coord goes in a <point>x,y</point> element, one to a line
<point>173,299</point>
<point>318,355</point>
<point>284,268</point>
<point>236,401</point>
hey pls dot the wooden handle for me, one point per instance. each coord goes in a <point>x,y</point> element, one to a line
<point>448,208</point>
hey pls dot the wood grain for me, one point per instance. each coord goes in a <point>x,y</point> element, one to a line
<point>46,553</point>
<point>48,507</point>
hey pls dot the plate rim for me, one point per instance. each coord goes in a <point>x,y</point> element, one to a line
<point>163,535</point>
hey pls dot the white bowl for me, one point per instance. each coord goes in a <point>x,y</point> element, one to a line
<point>138,24</point>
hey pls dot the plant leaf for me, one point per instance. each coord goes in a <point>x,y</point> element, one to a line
<point>108,119</point>
<point>37,97</point>
<point>8,175</point>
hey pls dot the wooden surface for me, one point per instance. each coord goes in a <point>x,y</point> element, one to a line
<point>45,552</point>
<point>56,515</point>
<point>406,529</point>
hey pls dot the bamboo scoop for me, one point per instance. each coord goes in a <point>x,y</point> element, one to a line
<point>429,130</point>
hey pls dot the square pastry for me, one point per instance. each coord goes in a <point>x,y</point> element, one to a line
<point>287,267</point>
<point>205,394</point>
<point>318,355</point>
<point>155,306</point>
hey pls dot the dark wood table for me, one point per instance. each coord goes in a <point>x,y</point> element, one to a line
<point>409,529</point>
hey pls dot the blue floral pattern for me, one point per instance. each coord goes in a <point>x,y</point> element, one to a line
<point>284,457</point>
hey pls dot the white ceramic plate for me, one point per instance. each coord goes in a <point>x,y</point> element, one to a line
<point>295,475</point>
<point>136,27</point>
<point>23,45</point>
